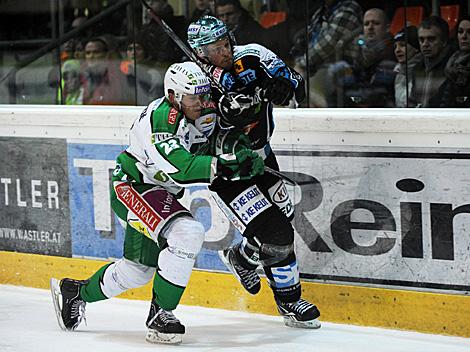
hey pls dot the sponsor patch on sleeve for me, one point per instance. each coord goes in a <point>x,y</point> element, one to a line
<point>172,115</point>
<point>238,66</point>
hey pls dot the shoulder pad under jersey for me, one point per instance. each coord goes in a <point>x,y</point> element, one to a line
<point>165,118</point>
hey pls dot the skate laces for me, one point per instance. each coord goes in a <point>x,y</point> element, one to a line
<point>168,317</point>
<point>77,311</point>
<point>165,317</point>
<point>249,277</point>
<point>299,307</point>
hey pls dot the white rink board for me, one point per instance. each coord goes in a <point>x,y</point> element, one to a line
<point>353,174</point>
<point>356,157</point>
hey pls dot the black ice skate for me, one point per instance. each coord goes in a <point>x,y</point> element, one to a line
<point>68,304</point>
<point>245,273</point>
<point>163,326</point>
<point>300,314</point>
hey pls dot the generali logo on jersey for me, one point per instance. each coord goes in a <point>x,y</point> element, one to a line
<point>172,116</point>
<point>133,201</point>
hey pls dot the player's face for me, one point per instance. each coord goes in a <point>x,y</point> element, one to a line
<point>220,53</point>
<point>193,104</point>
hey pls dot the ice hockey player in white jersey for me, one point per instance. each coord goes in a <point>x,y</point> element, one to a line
<point>171,147</point>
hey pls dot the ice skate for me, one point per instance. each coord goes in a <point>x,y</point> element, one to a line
<point>68,304</point>
<point>248,277</point>
<point>300,314</point>
<point>163,326</point>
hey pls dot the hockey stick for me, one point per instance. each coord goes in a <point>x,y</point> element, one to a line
<point>279,174</point>
<point>188,51</point>
<point>192,55</point>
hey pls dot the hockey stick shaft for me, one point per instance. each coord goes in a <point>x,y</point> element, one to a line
<point>188,51</point>
<point>192,55</point>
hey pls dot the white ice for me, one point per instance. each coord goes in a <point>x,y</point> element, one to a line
<point>28,323</point>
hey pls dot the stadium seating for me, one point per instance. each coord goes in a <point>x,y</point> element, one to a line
<point>269,19</point>
<point>414,16</point>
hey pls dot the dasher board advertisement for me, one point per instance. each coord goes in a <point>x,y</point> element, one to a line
<point>398,217</point>
<point>34,196</point>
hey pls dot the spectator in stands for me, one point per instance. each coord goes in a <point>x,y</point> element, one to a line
<point>71,83</point>
<point>203,8</point>
<point>78,21</point>
<point>79,50</point>
<point>333,25</point>
<point>161,47</point>
<point>408,55</point>
<point>149,82</point>
<point>433,34</point>
<point>456,91</point>
<point>333,22</point>
<point>239,21</point>
<point>372,60</point>
<point>280,36</point>
<point>103,82</point>
<point>67,51</point>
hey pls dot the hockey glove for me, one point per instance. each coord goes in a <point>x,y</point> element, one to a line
<point>279,90</point>
<point>230,141</point>
<point>242,165</point>
<point>238,110</point>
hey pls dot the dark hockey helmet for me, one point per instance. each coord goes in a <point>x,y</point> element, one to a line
<point>207,30</point>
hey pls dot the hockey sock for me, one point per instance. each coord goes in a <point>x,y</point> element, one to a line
<point>166,294</point>
<point>91,292</point>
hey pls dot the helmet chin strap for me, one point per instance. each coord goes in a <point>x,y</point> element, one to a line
<point>177,98</point>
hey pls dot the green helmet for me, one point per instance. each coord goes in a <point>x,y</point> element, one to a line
<point>206,30</point>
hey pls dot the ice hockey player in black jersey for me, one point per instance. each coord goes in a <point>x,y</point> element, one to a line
<point>254,79</point>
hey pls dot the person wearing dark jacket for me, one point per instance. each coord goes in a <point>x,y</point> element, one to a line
<point>161,47</point>
<point>372,62</point>
<point>456,90</point>
<point>433,34</point>
<point>239,21</point>
<point>203,8</point>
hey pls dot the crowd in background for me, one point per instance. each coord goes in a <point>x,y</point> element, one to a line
<point>366,66</point>
<point>347,51</point>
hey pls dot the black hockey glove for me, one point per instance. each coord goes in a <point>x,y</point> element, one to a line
<point>278,90</point>
<point>242,165</point>
<point>238,111</point>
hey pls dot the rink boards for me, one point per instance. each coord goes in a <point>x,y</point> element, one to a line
<point>382,210</point>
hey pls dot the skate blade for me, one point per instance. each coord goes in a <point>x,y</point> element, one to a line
<point>57,301</point>
<point>310,324</point>
<point>153,336</point>
<point>225,261</point>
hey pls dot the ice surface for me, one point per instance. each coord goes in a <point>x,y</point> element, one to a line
<point>28,323</point>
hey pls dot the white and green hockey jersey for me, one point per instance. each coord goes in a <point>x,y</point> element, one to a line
<point>166,149</point>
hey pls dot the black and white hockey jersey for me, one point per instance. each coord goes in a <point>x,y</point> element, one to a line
<point>253,65</point>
